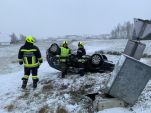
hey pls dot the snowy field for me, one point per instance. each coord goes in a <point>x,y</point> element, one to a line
<point>56,95</point>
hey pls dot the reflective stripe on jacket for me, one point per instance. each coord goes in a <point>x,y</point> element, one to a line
<point>30,58</point>
<point>30,55</point>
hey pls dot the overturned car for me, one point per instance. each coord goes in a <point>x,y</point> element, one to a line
<point>92,63</point>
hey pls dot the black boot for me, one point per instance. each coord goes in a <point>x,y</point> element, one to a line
<point>63,74</point>
<point>81,72</point>
<point>35,82</point>
<point>24,83</point>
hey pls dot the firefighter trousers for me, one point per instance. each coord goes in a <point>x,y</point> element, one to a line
<point>28,71</point>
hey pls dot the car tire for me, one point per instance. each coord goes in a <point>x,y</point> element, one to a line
<point>96,59</point>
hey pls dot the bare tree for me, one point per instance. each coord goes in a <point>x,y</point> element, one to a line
<point>14,38</point>
<point>123,31</point>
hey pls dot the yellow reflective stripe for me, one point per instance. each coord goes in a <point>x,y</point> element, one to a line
<point>28,50</point>
<point>26,60</point>
<point>20,59</point>
<point>33,59</point>
<point>34,77</point>
<point>31,65</point>
<point>26,76</point>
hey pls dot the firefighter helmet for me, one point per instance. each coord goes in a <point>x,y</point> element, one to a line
<point>65,43</point>
<point>30,39</point>
<point>80,43</point>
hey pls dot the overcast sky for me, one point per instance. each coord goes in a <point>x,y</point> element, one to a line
<point>43,18</point>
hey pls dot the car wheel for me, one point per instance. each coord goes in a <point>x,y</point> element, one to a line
<point>96,59</point>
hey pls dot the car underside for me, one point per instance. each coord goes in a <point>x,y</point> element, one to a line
<point>88,63</point>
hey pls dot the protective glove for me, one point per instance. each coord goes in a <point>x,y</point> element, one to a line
<point>20,62</point>
<point>41,61</point>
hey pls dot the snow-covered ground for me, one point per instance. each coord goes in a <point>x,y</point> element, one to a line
<point>60,95</point>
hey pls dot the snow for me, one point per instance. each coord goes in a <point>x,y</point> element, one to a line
<point>54,93</point>
<point>95,45</point>
<point>11,90</point>
<point>115,110</point>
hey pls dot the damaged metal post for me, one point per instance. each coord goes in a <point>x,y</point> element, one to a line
<point>130,76</point>
<point>134,49</point>
<point>128,80</point>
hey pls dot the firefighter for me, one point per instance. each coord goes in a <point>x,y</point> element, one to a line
<point>64,54</point>
<point>81,50</point>
<point>30,56</point>
<point>81,61</point>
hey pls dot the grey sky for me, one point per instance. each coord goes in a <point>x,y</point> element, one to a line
<point>60,17</point>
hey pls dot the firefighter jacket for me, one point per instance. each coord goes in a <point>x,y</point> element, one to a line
<point>80,52</point>
<point>30,55</point>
